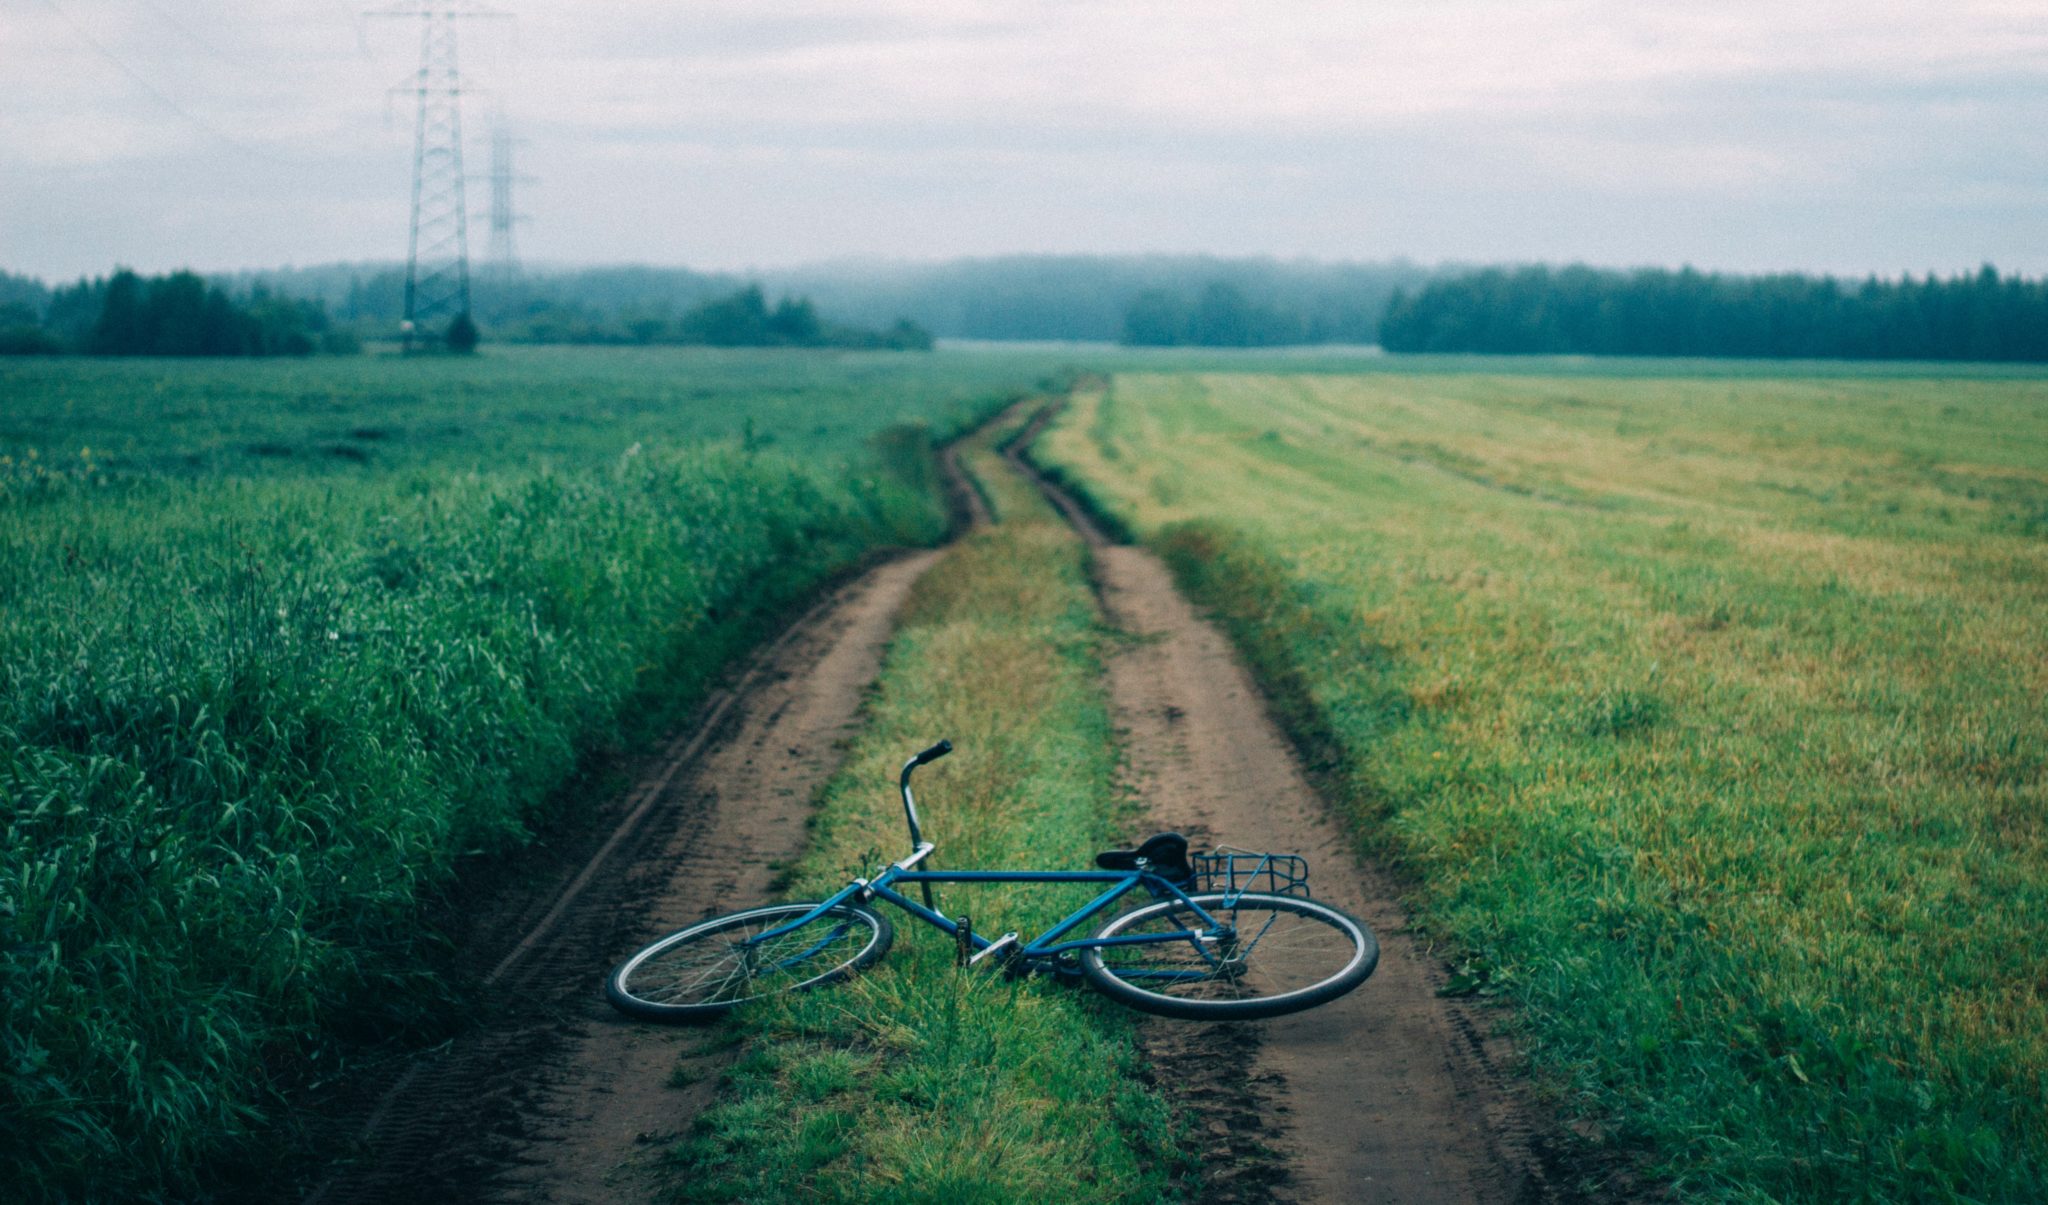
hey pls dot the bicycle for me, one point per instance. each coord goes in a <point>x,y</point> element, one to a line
<point>1207,948</point>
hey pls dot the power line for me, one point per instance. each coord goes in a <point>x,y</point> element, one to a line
<point>165,16</point>
<point>159,94</point>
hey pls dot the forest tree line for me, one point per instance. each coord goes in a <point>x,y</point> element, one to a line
<point>744,319</point>
<point>179,314</point>
<point>1221,315</point>
<point>1035,297</point>
<point>1654,312</point>
<point>1137,300</point>
<point>1024,297</point>
<point>184,314</point>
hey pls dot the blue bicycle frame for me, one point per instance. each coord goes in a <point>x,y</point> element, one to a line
<point>1043,950</point>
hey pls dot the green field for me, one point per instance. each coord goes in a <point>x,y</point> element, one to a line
<point>1704,714</point>
<point>259,699</point>
<point>510,408</point>
<point>352,417</point>
<point>1699,702</point>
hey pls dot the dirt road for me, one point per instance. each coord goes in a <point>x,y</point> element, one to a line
<point>1388,1095</point>
<point>554,1097</point>
<point>747,798</point>
<point>558,1100</point>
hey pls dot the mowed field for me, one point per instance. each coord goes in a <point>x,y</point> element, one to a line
<point>1703,714</point>
<point>284,644</point>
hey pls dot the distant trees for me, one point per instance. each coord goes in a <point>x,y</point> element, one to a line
<point>1091,298</point>
<point>1581,310</point>
<point>1014,297</point>
<point>22,293</point>
<point>22,302</point>
<point>903,335</point>
<point>1141,300</point>
<point>175,315</point>
<point>527,311</point>
<point>1220,316</point>
<point>745,319</point>
<point>1156,318</point>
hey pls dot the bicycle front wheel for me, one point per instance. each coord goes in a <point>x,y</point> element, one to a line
<point>1277,954</point>
<point>718,964</point>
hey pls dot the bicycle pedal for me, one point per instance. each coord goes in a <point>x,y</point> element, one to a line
<point>1004,948</point>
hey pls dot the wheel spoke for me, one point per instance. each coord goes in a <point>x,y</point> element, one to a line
<point>1279,947</point>
<point>722,962</point>
<point>1262,933</point>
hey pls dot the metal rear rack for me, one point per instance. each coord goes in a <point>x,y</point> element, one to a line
<point>1236,871</point>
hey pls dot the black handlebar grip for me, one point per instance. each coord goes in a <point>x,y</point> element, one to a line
<point>934,753</point>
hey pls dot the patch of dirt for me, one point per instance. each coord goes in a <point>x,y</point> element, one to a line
<point>554,1096</point>
<point>1390,1094</point>
<point>963,498</point>
<point>1240,1104</point>
<point>613,1093</point>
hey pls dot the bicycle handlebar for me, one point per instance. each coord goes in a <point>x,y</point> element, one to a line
<point>918,846</point>
<point>903,784</point>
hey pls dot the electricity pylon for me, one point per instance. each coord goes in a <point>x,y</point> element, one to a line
<point>504,255</point>
<point>437,250</point>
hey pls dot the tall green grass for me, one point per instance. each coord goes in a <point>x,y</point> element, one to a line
<point>247,729</point>
<point>1705,714</point>
<point>505,408</point>
<point>918,1081</point>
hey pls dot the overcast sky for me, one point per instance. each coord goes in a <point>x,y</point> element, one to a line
<point>1878,135</point>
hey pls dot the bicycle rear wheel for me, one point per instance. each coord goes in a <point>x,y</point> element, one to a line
<point>715,965</point>
<point>1280,955</point>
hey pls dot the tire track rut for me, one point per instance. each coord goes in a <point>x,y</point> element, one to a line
<point>1391,1094</point>
<point>553,1096</point>
<point>610,1097</point>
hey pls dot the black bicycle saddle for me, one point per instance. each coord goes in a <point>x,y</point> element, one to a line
<point>1166,855</point>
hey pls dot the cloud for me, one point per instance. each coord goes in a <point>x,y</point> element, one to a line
<point>730,132</point>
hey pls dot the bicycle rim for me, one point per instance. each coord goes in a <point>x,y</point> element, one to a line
<point>718,964</point>
<point>1285,954</point>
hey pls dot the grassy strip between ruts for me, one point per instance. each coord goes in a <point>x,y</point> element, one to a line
<point>918,1081</point>
<point>1706,716</point>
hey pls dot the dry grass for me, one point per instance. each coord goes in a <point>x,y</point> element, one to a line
<point>1707,713</point>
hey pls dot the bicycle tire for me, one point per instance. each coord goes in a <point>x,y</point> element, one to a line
<point>1298,953</point>
<point>698,972</point>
